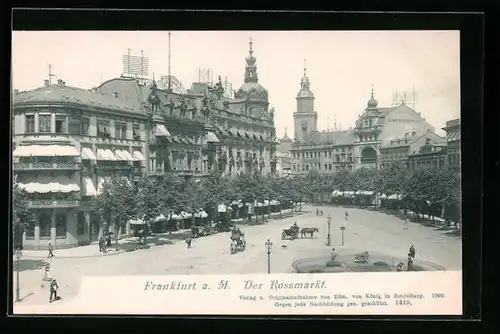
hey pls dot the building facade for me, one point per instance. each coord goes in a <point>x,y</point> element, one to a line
<point>453,136</point>
<point>68,141</point>
<point>354,148</point>
<point>412,151</point>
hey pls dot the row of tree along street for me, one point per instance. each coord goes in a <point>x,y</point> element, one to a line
<point>431,192</point>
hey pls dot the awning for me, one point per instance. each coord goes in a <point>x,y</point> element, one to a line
<point>136,222</point>
<point>221,208</point>
<point>393,196</point>
<point>88,187</point>
<point>87,154</point>
<point>173,216</point>
<point>266,202</point>
<point>127,155</point>
<point>274,202</point>
<point>185,215</point>
<point>160,218</point>
<point>120,156</point>
<point>105,155</point>
<point>453,136</point>
<point>46,151</point>
<point>161,131</point>
<point>137,156</point>
<point>45,184</point>
<point>200,214</point>
<point>211,137</point>
<point>336,193</point>
<point>100,183</point>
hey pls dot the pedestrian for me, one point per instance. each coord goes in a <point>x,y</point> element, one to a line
<point>188,242</point>
<point>54,286</point>
<point>406,223</point>
<point>51,251</point>
<point>101,244</point>
<point>412,251</point>
<point>334,254</point>
<point>410,262</point>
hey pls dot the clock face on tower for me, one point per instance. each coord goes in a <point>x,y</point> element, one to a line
<point>304,126</point>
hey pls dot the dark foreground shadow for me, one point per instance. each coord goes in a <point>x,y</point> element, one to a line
<point>29,264</point>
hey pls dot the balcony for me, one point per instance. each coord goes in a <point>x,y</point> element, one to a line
<point>47,166</point>
<point>52,203</point>
<point>104,165</point>
<point>189,172</point>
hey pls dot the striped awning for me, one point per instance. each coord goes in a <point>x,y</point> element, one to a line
<point>88,188</point>
<point>105,155</point>
<point>211,137</point>
<point>46,151</point>
<point>120,156</point>
<point>161,131</point>
<point>46,184</point>
<point>87,154</point>
<point>454,136</point>
<point>137,156</point>
<point>127,155</point>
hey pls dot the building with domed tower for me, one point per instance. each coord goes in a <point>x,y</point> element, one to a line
<point>68,141</point>
<point>369,144</point>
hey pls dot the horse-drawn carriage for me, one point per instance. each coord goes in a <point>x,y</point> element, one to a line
<point>290,233</point>
<point>238,242</point>
<point>305,231</point>
<point>202,231</point>
<point>361,257</point>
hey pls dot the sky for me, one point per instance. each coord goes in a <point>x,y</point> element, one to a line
<point>342,65</point>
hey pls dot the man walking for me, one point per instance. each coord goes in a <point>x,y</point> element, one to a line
<point>53,291</point>
<point>412,251</point>
<point>51,251</point>
<point>101,244</point>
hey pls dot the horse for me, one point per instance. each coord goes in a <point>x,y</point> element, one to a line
<point>308,230</point>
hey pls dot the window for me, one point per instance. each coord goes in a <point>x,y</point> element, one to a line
<point>152,164</point>
<point>121,130</point>
<point>136,131</point>
<point>45,223</point>
<point>81,224</point>
<point>85,124</point>
<point>103,129</point>
<point>61,124</point>
<point>30,232</point>
<point>44,123</point>
<point>326,166</point>
<point>61,226</point>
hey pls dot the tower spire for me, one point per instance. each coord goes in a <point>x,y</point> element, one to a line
<point>305,68</point>
<point>251,67</point>
<point>372,92</point>
<point>169,77</point>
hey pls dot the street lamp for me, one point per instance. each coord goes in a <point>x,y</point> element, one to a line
<point>328,237</point>
<point>19,254</point>
<point>269,245</point>
<point>342,228</point>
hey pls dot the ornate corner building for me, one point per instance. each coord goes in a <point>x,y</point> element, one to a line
<point>381,135</point>
<point>68,141</point>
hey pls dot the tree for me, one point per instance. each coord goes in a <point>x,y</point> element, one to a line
<point>117,203</point>
<point>23,218</point>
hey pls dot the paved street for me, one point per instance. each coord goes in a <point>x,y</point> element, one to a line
<point>366,230</point>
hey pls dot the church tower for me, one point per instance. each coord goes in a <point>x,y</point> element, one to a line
<point>305,118</point>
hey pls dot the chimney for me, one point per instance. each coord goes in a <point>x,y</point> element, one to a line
<point>60,83</point>
<point>115,94</point>
<point>46,82</point>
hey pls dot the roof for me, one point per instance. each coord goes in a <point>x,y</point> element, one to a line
<point>344,137</point>
<point>67,94</point>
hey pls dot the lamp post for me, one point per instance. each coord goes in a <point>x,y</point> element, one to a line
<point>328,237</point>
<point>18,258</point>
<point>269,245</point>
<point>342,228</point>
